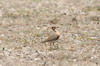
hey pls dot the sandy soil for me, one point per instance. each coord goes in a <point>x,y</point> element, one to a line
<point>24,24</point>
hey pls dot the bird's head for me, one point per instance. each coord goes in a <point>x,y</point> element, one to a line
<point>53,27</point>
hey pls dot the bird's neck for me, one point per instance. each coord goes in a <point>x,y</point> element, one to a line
<point>57,32</point>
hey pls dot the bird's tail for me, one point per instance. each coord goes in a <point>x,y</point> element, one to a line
<point>42,41</point>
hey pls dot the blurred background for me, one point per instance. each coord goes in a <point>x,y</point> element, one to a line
<point>24,24</point>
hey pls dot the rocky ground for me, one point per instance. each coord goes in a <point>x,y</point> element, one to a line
<point>24,24</point>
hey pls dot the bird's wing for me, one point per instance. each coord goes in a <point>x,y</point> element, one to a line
<point>51,38</point>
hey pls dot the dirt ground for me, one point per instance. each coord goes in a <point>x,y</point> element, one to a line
<point>25,23</point>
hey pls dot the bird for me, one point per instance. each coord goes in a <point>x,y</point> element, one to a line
<point>54,36</point>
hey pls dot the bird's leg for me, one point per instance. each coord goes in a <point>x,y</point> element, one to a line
<point>54,46</point>
<point>53,43</point>
<point>45,46</point>
<point>50,45</point>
